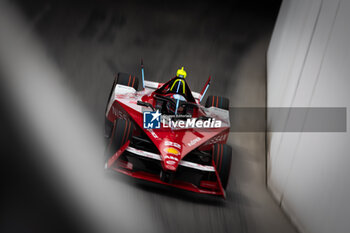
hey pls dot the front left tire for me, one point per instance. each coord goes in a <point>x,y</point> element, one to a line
<point>121,133</point>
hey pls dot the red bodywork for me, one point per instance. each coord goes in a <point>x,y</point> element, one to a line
<point>180,142</point>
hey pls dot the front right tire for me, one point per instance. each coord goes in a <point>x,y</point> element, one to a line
<point>222,156</point>
<point>217,101</point>
<point>128,80</point>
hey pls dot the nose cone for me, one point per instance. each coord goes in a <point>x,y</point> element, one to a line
<point>171,155</point>
<point>170,164</point>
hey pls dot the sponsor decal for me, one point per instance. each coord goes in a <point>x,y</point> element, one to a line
<point>170,162</point>
<point>151,120</point>
<point>174,144</point>
<point>153,133</point>
<point>194,141</point>
<point>171,157</point>
<point>171,150</point>
<point>118,113</point>
<point>216,139</point>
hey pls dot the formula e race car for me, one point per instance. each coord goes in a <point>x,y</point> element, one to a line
<point>160,132</point>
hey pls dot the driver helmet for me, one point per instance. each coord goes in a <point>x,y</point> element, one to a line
<point>179,81</point>
<point>181,73</point>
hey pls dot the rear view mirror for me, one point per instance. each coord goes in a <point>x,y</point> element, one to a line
<point>145,104</point>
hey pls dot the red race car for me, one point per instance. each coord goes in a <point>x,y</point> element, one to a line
<point>160,132</point>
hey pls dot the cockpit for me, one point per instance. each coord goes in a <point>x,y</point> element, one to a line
<point>175,97</point>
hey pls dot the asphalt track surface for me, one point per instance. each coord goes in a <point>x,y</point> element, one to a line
<point>91,42</point>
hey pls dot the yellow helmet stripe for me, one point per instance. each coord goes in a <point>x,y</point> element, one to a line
<point>179,80</point>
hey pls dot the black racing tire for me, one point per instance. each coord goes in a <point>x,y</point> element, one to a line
<point>128,80</point>
<point>121,133</point>
<point>222,156</point>
<point>217,101</point>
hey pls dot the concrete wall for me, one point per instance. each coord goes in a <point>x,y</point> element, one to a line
<point>308,65</point>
